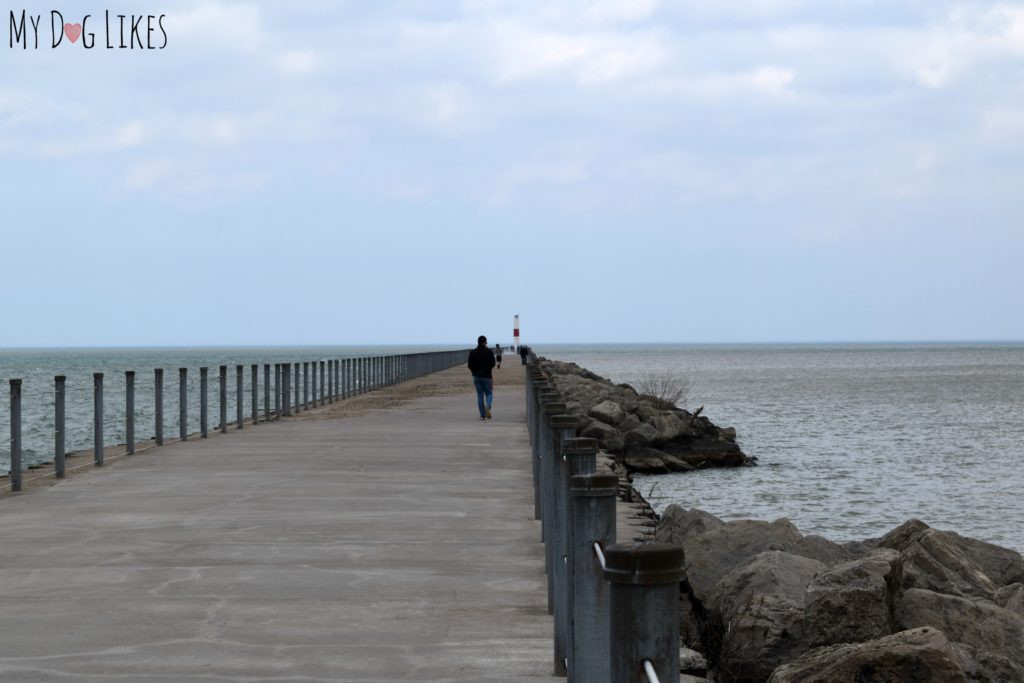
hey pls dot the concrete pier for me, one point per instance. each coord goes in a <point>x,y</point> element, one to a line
<point>376,539</point>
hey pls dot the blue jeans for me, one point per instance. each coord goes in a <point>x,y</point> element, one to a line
<point>484,389</point>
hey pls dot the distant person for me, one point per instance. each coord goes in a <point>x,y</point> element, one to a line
<point>497,355</point>
<point>481,362</point>
<point>523,353</point>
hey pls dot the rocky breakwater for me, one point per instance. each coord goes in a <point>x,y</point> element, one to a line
<point>763,602</point>
<point>644,433</point>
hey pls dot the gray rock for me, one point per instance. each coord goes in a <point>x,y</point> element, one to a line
<point>761,606</point>
<point>851,602</point>
<point>975,622</point>
<point>677,524</point>
<point>691,660</point>
<point>641,436</point>
<point>716,552</point>
<point>933,560</point>
<point>1012,598</point>
<point>610,438</point>
<point>608,412</point>
<point>670,428</point>
<point>630,421</point>
<point>986,667</point>
<point>919,656</point>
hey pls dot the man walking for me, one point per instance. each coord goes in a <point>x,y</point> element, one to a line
<point>481,362</point>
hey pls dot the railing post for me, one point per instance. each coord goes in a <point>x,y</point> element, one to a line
<point>298,393</point>
<point>15,435</point>
<point>59,388</point>
<point>549,409</point>
<point>255,391</point>
<point>305,385</point>
<point>323,388</point>
<point>158,405</point>
<point>563,430</point>
<point>240,395</point>
<point>644,609</point>
<point>204,407</point>
<point>337,379</point>
<point>97,418</point>
<point>223,399</point>
<point>266,391</point>
<point>276,389</point>
<point>129,411</point>
<point>592,510</point>
<point>286,388</point>
<point>183,404</point>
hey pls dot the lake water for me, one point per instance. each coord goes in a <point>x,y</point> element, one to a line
<point>851,440</point>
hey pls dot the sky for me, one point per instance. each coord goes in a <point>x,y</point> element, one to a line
<point>350,172</point>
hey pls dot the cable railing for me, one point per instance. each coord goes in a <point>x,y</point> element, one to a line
<point>615,605</point>
<point>78,417</point>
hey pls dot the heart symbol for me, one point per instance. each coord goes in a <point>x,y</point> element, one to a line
<point>73,31</point>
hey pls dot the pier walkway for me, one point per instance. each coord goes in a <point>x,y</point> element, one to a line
<point>386,538</point>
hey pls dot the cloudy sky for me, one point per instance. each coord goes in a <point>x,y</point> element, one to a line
<point>328,172</point>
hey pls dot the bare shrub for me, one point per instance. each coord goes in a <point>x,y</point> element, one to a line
<point>668,389</point>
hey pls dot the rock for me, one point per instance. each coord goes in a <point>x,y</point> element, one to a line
<point>975,622</point>
<point>920,656</point>
<point>761,607</point>
<point>969,567</point>
<point>985,667</point>
<point>677,524</point>
<point>729,433</point>
<point>716,552</point>
<point>670,428</point>
<point>630,421</point>
<point>851,602</point>
<point>1012,598</point>
<point>692,661</point>
<point>641,436</point>
<point>645,460</point>
<point>608,412</point>
<point>610,438</point>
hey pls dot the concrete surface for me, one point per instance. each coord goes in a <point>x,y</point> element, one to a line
<point>398,545</point>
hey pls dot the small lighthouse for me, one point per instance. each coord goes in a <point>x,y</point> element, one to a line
<point>515,331</point>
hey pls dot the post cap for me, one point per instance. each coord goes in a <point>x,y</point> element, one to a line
<point>594,484</point>
<point>553,407</point>
<point>579,447</point>
<point>563,421</point>
<point>644,564</point>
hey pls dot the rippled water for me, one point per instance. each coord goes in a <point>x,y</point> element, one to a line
<point>37,368</point>
<point>852,440</point>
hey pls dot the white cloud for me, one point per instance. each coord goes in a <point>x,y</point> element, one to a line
<point>297,62</point>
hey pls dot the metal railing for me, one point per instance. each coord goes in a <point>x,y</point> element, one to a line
<point>339,379</point>
<point>615,605</point>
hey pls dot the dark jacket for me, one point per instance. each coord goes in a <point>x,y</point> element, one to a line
<point>481,360</point>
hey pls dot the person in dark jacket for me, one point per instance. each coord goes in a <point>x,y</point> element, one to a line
<point>481,362</point>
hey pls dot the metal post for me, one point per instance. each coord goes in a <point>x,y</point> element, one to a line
<point>562,427</point>
<point>97,418</point>
<point>548,450</point>
<point>266,391</point>
<point>58,424</point>
<point>129,411</point>
<point>305,385</point>
<point>204,408</point>
<point>223,399</point>
<point>323,388</point>
<point>255,391</point>
<point>15,435</point>
<point>644,609</point>
<point>277,389</point>
<point>158,408</point>
<point>298,393</point>
<point>592,510</point>
<point>239,395</point>
<point>183,404</point>
<point>286,384</point>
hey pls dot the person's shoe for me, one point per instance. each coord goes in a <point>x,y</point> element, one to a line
<point>482,417</point>
<point>488,413</point>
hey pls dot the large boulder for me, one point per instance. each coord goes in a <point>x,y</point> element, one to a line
<point>761,607</point>
<point>641,436</point>
<point>922,655</point>
<point>608,412</point>
<point>985,667</point>
<point>677,524</point>
<point>852,602</point>
<point>935,561</point>
<point>975,622</point>
<point>609,438</point>
<point>711,555</point>
<point>1012,598</point>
